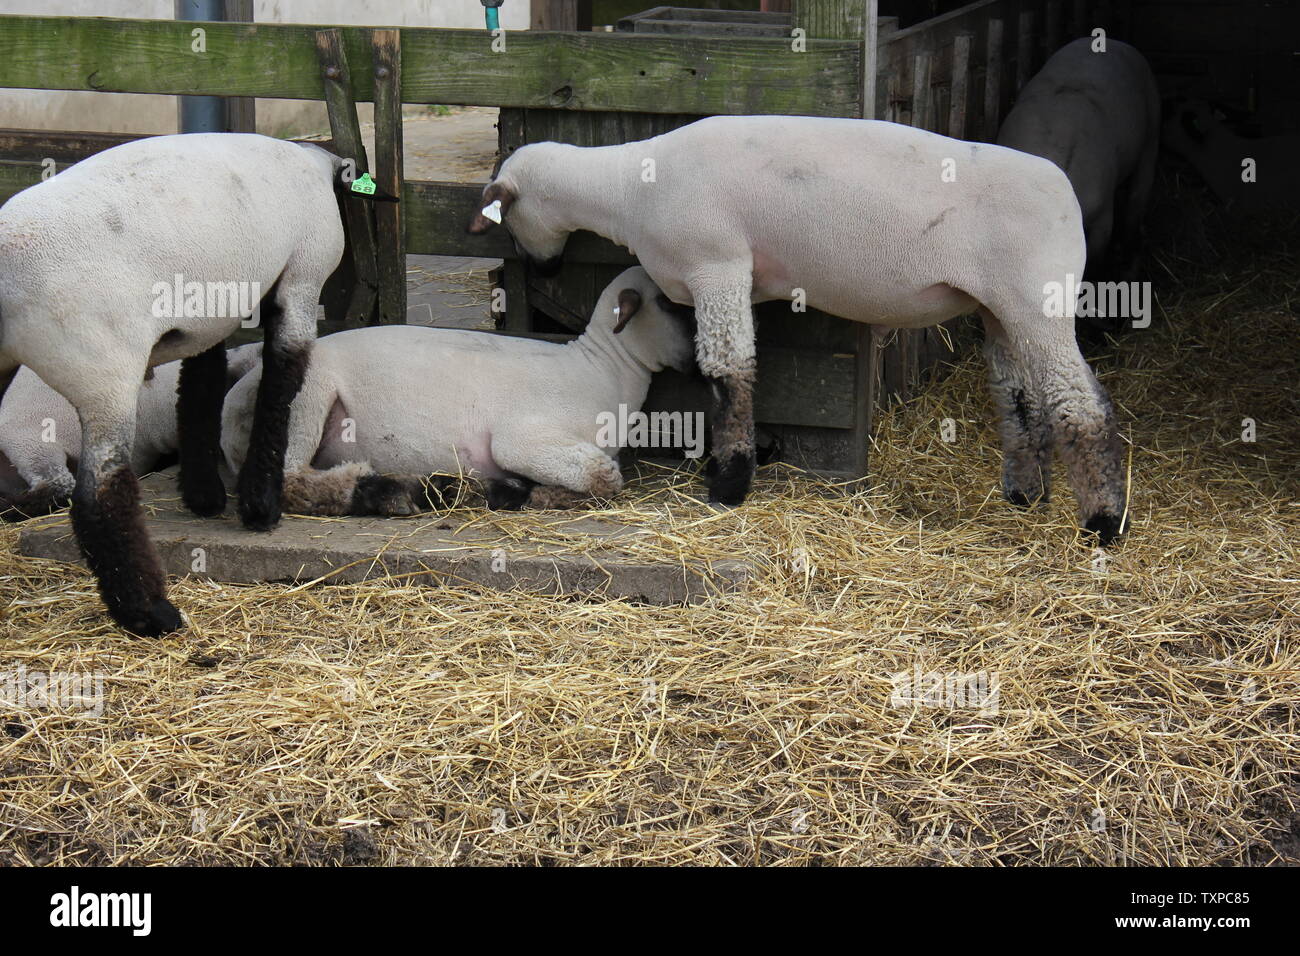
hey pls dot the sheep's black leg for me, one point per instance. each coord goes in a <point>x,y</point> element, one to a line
<point>289,335</point>
<point>198,414</point>
<point>731,467</point>
<point>724,351</point>
<point>38,500</point>
<point>110,528</point>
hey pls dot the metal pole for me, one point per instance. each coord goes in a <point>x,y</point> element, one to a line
<point>201,114</point>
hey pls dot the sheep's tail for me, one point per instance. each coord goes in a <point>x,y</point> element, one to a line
<point>36,502</point>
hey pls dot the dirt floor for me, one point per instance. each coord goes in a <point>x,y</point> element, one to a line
<point>1138,706</point>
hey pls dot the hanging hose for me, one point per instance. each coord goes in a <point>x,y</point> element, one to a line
<point>490,12</point>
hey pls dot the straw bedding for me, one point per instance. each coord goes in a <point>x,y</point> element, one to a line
<point>1145,707</point>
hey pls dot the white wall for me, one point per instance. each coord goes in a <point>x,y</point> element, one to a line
<point>132,113</point>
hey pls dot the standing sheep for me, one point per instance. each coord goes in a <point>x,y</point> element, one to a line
<point>872,221</point>
<point>88,260</point>
<point>1096,114</point>
<point>40,438</point>
<point>522,416</point>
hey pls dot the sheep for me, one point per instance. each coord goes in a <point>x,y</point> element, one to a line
<point>1096,114</point>
<point>40,438</point>
<point>1193,131</point>
<point>88,262</point>
<point>520,415</point>
<point>872,221</point>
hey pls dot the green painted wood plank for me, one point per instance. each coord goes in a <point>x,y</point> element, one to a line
<point>596,71</point>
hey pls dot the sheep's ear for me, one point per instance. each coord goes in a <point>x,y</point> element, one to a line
<point>629,301</point>
<point>494,194</point>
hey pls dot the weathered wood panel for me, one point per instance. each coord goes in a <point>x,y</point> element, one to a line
<point>345,127</point>
<point>388,174</point>
<point>557,70</point>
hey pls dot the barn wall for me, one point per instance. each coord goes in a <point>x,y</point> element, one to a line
<point>131,113</point>
<point>1244,54</point>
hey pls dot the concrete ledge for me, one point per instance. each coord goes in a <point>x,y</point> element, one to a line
<point>431,549</point>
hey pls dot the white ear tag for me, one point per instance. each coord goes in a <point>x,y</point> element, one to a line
<point>493,211</point>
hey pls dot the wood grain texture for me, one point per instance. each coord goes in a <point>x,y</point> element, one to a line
<point>389,235</point>
<point>604,71</point>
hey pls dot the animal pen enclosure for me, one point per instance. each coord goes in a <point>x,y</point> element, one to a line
<point>819,376</point>
<point>1147,696</point>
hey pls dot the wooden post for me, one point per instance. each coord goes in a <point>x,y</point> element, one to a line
<point>390,245</point>
<point>561,15</point>
<point>1052,28</point>
<point>993,82</point>
<point>241,111</point>
<point>346,130</point>
<point>870,47</point>
<point>960,85</point>
<point>1025,49</point>
<point>921,91</point>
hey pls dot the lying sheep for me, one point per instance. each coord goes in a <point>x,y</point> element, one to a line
<point>88,259</point>
<point>872,221</point>
<point>40,437</point>
<point>1097,116</point>
<point>1193,131</point>
<point>520,415</point>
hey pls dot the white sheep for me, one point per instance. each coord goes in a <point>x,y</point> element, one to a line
<point>40,437</point>
<point>872,221</point>
<point>1096,114</point>
<point>520,415</point>
<point>1250,176</point>
<point>88,262</point>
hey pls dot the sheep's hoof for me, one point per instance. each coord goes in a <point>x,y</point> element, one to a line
<point>1024,499</point>
<point>1105,526</point>
<point>258,517</point>
<point>207,500</point>
<point>731,476</point>
<point>159,618</point>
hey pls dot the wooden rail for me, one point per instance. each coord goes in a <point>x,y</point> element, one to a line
<point>599,71</point>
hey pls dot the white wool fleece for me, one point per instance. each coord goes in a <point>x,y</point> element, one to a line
<point>875,222</point>
<point>81,253</point>
<point>411,400</point>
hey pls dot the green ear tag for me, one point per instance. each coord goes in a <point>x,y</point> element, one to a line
<point>364,184</point>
